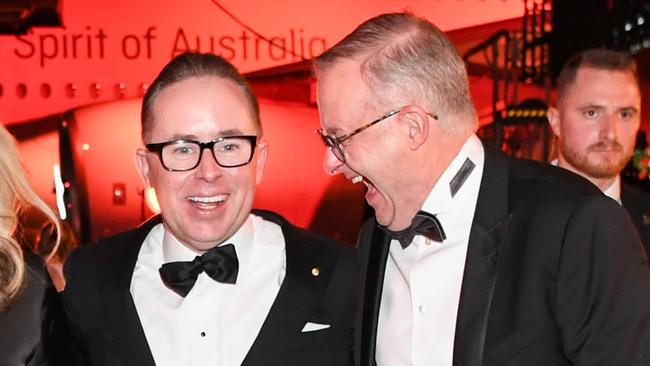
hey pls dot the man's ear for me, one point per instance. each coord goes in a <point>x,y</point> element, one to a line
<point>262,154</point>
<point>553,116</point>
<point>142,164</point>
<point>417,122</point>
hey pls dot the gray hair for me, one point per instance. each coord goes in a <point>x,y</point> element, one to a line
<point>404,56</point>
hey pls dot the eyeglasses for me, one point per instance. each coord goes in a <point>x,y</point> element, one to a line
<point>334,143</point>
<point>184,155</point>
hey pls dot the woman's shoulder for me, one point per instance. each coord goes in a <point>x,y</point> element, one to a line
<point>35,264</point>
<point>22,324</point>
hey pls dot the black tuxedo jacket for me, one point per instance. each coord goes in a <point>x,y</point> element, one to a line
<point>554,275</point>
<point>107,329</point>
<point>637,204</point>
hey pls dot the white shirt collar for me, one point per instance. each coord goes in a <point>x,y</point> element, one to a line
<point>440,199</point>
<point>614,190</point>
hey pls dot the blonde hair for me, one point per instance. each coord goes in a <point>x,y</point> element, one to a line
<point>16,197</point>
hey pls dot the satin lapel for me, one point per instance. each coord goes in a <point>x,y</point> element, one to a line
<point>636,204</point>
<point>297,298</point>
<point>120,311</point>
<point>374,246</point>
<point>488,231</point>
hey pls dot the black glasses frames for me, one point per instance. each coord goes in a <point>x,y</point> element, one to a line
<point>184,155</point>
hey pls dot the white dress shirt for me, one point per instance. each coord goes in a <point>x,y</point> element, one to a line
<point>614,190</point>
<point>420,298</point>
<point>216,323</point>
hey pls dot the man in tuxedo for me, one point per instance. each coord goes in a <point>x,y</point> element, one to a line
<point>595,122</point>
<point>473,257</point>
<point>207,282</point>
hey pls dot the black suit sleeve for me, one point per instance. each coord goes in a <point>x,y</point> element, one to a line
<point>603,288</point>
<point>75,343</point>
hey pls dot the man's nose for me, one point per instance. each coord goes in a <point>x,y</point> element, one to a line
<point>609,127</point>
<point>331,163</point>
<point>208,168</point>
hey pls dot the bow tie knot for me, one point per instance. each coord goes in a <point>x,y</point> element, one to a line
<point>424,224</point>
<point>220,263</point>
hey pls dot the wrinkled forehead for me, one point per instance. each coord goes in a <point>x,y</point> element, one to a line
<point>343,96</point>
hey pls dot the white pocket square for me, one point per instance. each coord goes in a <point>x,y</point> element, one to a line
<point>311,327</point>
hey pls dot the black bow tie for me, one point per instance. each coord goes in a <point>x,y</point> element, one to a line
<point>424,224</point>
<point>220,263</point>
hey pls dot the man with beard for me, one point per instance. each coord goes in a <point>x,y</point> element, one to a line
<point>596,120</point>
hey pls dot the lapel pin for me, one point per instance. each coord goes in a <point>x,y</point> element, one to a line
<point>646,219</point>
<point>315,271</point>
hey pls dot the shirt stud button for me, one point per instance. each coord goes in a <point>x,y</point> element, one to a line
<point>315,271</point>
<point>202,334</point>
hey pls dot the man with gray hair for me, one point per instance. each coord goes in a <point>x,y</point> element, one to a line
<point>595,122</point>
<point>473,257</point>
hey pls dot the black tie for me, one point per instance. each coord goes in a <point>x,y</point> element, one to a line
<point>220,263</point>
<point>424,224</point>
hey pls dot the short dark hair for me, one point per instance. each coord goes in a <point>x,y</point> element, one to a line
<point>599,59</point>
<point>189,65</point>
<point>404,52</point>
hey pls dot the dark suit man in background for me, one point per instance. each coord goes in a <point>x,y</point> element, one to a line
<point>207,282</point>
<point>595,122</point>
<point>473,257</point>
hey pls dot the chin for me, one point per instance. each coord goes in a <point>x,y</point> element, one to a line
<point>203,244</point>
<point>205,232</point>
<point>381,222</point>
<point>211,236</point>
<point>383,218</point>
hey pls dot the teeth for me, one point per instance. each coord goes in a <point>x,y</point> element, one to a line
<point>357,179</point>
<point>214,199</point>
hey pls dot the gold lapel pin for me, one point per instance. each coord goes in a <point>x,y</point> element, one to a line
<point>315,271</point>
<point>645,219</point>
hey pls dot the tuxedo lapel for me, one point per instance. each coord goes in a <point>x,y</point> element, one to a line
<point>490,224</point>
<point>307,277</point>
<point>121,314</point>
<point>637,204</point>
<point>374,256</point>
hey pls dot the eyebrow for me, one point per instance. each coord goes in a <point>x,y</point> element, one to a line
<point>231,132</point>
<point>224,133</point>
<point>598,106</point>
<point>629,109</point>
<point>184,137</point>
<point>334,131</point>
<point>591,106</point>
